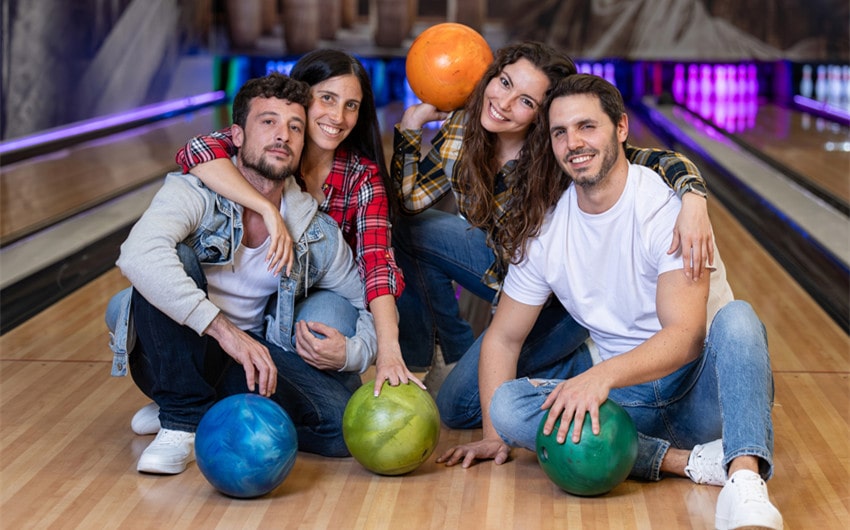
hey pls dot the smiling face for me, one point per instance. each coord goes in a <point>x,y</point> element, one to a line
<point>333,111</point>
<point>512,97</point>
<point>273,137</point>
<point>585,141</point>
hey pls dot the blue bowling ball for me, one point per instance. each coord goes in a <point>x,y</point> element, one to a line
<point>245,445</point>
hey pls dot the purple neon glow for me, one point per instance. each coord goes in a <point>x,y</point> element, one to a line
<point>122,118</point>
<point>726,94</point>
<point>822,107</point>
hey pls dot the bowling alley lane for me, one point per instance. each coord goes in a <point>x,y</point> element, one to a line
<point>812,146</point>
<point>813,149</point>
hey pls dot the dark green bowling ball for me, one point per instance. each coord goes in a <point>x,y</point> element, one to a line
<point>596,464</point>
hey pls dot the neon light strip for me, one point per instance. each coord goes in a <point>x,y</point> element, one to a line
<point>123,118</point>
<point>820,106</point>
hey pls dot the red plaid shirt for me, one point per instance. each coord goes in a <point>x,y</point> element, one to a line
<point>355,197</point>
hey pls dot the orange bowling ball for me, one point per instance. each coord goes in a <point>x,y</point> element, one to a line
<point>445,62</point>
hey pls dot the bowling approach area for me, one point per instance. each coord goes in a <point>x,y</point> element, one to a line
<point>778,168</point>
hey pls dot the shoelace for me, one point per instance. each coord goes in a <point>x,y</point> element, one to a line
<point>752,489</point>
<point>167,436</point>
<point>704,470</point>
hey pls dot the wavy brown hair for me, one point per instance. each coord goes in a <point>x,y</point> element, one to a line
<point>540,179</point>
<point>477,164</point>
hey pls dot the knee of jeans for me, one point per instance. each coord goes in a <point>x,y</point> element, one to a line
<point>737,320</point>
<point>330,309</point>
<point>456,415</point>
<point>503,412</point>
<point>736,316</point>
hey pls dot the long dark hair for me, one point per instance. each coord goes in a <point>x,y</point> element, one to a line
<point>365,138</point>
<point>478,164</point>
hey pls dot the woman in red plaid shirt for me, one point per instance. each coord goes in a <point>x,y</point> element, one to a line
<point>343,167</point>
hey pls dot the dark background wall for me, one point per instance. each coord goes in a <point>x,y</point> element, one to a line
<point>69,60</point>
<point>806,30</point>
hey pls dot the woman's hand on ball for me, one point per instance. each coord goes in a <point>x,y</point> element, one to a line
<point>416,116</point>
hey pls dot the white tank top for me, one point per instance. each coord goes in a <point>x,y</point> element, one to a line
<point>241,289</point>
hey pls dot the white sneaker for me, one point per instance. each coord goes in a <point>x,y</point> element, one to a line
<point>705,464</point>
<point>168,453</point>
<point>438,372</point>
<point>146,420</point>
<point>743,503</point>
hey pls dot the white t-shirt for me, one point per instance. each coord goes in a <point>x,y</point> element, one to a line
<point>241,289</point>
<point>604,267</point>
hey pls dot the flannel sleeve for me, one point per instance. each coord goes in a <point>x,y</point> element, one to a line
<point>380,273</point>
<point>200,149</point>
<point>676,169</point>
<point>421,183</point>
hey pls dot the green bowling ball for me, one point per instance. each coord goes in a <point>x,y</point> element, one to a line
<point>393,433</point>
<point>596,464</point>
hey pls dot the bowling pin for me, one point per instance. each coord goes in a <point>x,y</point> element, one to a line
<point>719,82</point>
<point>806,83</point>
<point>679,83</point>
<point>693,82</point>
<point>705,81</point>
<point>820,83</point>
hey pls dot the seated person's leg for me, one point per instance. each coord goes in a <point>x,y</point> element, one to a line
<point>176,368</point>
<point>330,309</point>
<point>554,349</point>
<point>314,399</point>
<point>434,249</point>
<point>738,342</point>
<point>171,363</point>
<point>458,399</point>
<point>515,410</point>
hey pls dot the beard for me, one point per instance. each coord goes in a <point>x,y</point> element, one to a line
<point>609,158</point>
<point>262,167</point>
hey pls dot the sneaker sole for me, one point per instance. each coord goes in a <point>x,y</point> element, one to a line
<point>163,469</point>
<point>721,524</point>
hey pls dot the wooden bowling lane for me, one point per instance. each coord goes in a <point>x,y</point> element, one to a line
<point>36,193</point>
<point>813,147</point>
<point>68,455</point>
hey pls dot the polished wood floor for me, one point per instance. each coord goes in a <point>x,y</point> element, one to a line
<point>68,456</point>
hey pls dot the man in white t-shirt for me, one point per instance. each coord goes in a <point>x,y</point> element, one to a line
<point>701,401</point>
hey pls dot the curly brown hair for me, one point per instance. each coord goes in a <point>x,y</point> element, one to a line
<point>478,164</point>
<point>541,180</point>
<point>273,85</point>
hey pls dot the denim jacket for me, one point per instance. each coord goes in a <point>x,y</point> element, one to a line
<point>184,210</point>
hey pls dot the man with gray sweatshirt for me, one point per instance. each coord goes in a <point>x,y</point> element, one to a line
<point>206,317</point>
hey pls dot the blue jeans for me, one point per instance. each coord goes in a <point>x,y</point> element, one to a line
<point>551,351</point>
<point>727,392</point>
<point>185,374</point>
<point>433,249</point>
